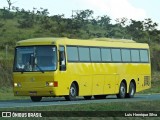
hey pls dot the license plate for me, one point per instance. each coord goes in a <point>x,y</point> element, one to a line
<point>33,93</point>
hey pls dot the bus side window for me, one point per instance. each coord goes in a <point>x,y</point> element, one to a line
<point>62,59</point>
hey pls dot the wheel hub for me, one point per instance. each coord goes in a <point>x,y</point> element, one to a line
<point>122,90</point>
<point>72,91</point>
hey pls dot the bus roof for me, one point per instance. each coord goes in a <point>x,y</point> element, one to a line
<point>106,42</point>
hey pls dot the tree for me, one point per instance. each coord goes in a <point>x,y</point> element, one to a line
<point>60,27</point>
<point>10,4</point>
<point>135,29</point>
<point>104,21</point>
<point>150,28</point>
<point>149,25</point>
<point>121,21</point>
<point>26,20</point>
<point>80,22</point>
<point>6,14</point>
<point>82,17</point>
<point>83,14</point>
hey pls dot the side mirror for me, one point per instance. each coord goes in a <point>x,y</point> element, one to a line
<point>62,61</point>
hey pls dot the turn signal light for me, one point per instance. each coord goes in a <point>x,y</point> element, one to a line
<point>55,83</point>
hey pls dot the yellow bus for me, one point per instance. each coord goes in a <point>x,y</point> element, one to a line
<point>62,67</point>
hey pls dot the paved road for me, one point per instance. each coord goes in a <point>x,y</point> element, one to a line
<point>61,101</point>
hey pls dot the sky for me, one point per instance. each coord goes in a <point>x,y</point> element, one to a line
<point>131,9</point>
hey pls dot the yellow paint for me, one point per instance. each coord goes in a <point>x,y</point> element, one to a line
<point>92,78</point>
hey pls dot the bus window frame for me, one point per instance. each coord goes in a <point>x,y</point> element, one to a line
<point>15,58</point>
<point>110,48</point>
<point>62,58</point>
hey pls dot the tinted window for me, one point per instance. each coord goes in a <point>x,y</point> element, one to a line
<point>116,55</point>
<point>95,54</point>
<point>35,58</point>
<point>135,55</point>
<point>144,55</point>
<point>126,57</point>
<point>106,54</point>
<point>72,53</point>
<point>84,54</point>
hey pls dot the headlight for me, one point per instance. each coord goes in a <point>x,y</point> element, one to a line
<point>49,84</point>
<point>17,84</point>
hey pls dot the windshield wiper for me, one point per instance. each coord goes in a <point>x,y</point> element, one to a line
<point>39,68</point>
<point>32,62</point>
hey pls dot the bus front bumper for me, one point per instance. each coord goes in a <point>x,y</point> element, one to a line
<point>46,92</point>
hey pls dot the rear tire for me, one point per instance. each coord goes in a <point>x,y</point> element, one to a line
<point>132,90</point>
<point>87,97</point>
<point>73,92</point>
<point>122,91</point>
<point>36,98</point>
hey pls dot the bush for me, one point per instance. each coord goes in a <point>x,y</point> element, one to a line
<point>6,72</point>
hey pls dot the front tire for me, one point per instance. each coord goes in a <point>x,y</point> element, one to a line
<point>36,98</point>
<point>122,91</point>
<point>72,93</point>
<point>132,90</point>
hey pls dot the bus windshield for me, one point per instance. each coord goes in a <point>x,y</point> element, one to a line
<point>35,58</point>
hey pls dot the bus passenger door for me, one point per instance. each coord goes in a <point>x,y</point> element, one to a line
<point>62,78</point>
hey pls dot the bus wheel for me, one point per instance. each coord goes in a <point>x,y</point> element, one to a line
<point>87,97</point>
<point>99,96</point>
<point>122,91</point>
<point>36,98</point>
<point>72,93</point>
<point>132,90</point>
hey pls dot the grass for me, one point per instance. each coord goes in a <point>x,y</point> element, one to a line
<point>94,109</point>
<point>116,106</point>
<point>4,55</point>
<point>7,94</point>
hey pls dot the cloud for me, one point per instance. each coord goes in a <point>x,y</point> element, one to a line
<point>116,9</point>
<point>122,8</point>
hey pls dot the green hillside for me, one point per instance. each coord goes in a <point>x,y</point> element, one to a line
<point>18,24</point>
